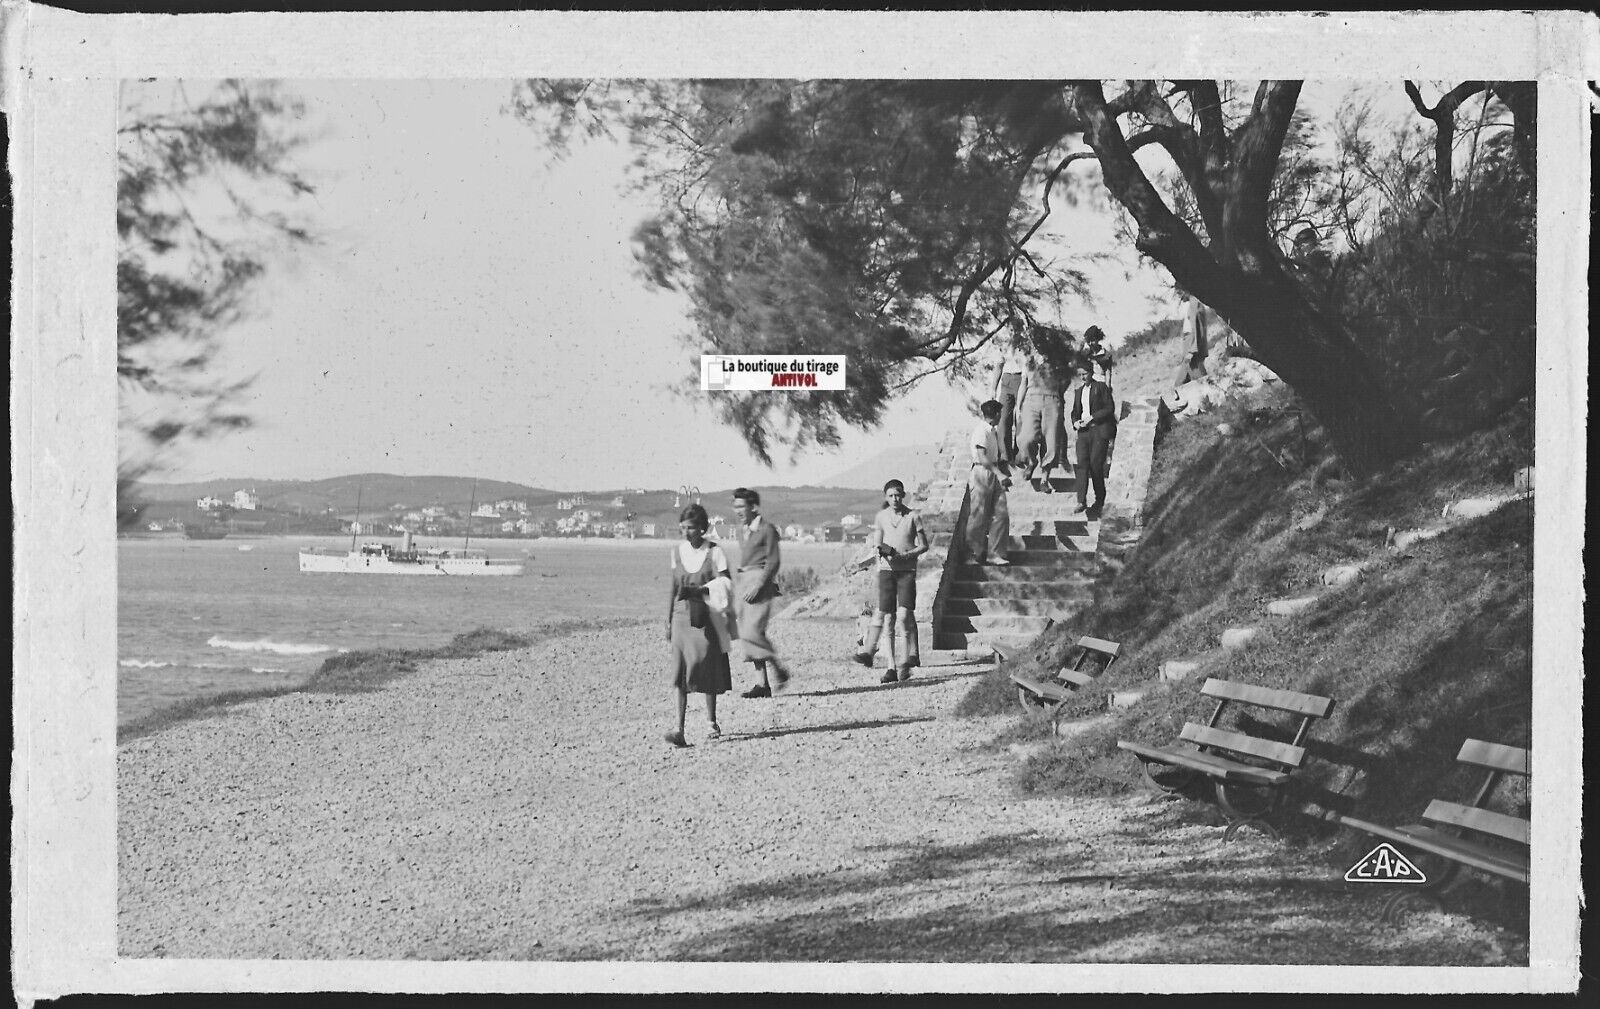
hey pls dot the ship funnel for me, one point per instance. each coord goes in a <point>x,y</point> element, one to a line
<point>405,541</point>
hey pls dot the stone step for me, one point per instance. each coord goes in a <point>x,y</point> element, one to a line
<point>1238,637</point>
<point>1291,607</point>
<point>1120,699</point>
<point>1177,670</point>
<point>1070,584</point>
<point>973,642</point>
<point>1007,624</point>
<point>995,607</point>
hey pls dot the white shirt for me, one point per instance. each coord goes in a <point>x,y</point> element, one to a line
<point>691,559</point>
<point>985,442</point>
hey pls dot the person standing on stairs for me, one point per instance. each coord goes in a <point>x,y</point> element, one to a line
<point>899,538</point>
<point>1041,394</point>
<point>988,518</point>
<point>1007,383</point>
<point>1094,418</point>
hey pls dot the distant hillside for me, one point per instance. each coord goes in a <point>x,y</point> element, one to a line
<point>384,494</point>
<point>910,464</point>
<point>378,491</point>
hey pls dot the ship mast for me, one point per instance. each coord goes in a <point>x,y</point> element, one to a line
<point>470,509</point>
<point>356,522</point>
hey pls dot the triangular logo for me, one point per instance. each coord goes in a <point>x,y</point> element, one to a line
<point>1385,864</point>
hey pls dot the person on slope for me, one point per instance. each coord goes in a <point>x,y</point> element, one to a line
<point>899,538</point>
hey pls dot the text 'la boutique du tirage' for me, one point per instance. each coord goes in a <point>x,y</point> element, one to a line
<point>750,372</point>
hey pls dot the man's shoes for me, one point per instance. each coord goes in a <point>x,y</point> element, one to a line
<point>676,739</point>
<point>999,562</point>
<point>980,561</point>
<point>888,676</point>
<point>863,659</point>
<point>780,677</point>
<point>757,691</point>
<point>905,673</point>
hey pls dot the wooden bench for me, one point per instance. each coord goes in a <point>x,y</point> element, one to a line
<point>1236,760</point>
<point>1463,835</point>
<point>1050,696</point>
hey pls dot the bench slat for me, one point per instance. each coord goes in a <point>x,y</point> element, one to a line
<point>1494,756</point>
<point>1511,865</point>
<point>1208,764</point>
<point>1100,645</point>
<point>1484,821</point>
<point>1075,678</point>
<point>1268,697</point>
<point>1287,754</point>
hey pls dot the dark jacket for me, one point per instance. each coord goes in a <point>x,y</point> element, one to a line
<point>1102,404</point>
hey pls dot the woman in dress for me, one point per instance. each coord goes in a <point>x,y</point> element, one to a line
<point>694,624</point>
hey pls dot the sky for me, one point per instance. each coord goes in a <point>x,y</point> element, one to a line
<point>472,308</point>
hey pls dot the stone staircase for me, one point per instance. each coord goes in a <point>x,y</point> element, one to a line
<point>1051,551</point>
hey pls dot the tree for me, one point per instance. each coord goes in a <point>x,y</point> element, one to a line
<point>202,191</point>
<point>861,200</point>
<point>823,217</point>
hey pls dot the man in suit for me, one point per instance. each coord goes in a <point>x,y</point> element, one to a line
<point>1094,417</point>
<point>755,585</point>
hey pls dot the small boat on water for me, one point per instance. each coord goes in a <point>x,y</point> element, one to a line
<point>406,559</point>
<point>204,532</point>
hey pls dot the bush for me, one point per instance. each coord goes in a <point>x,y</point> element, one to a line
<point>796,582</point>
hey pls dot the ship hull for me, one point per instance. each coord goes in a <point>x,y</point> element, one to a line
<point>358,564</point>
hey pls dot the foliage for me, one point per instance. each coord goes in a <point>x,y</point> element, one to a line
<point>891,222</point>
<point>796,582</point>
<point>1440,286</point>
<point>201,187</point>
<point>842,217</point>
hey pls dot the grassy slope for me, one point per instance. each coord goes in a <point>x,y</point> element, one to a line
<point>1432,645</point>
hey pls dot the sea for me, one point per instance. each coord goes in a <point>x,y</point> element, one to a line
<point>197,618</point>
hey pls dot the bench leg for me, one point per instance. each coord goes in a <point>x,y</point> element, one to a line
<point>1392,912</point>
<point>1172,781</point>
<point>1239,817</point>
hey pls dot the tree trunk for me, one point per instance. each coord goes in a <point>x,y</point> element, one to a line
<point>1333,375</point>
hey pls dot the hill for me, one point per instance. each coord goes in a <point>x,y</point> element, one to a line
<point>1431,645</point>
<point>377,491</point>
<point>910,464</point>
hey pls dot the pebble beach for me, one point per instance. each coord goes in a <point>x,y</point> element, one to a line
<point>522,805</point>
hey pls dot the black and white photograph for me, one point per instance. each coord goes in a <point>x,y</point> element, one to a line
<point>788,502</point>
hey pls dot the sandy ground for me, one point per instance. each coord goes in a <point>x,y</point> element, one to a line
<point>524,806</point>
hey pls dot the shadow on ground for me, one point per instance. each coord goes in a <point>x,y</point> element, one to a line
<point>1139,893</point>
<point>875,723</point>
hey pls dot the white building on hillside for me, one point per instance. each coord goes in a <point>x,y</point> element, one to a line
<point>246,500</point>
<point>208,502</point>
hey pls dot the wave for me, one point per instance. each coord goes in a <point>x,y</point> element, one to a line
<point>266,645</point>
<point>158,664</point>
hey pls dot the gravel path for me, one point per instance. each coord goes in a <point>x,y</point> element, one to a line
<point>523,805</point>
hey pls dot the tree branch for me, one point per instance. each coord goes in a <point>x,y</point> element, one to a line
<point>1443,115</point>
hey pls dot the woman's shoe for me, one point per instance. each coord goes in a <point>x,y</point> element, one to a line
<point>716,731</point>
<point>757,691</point>
<point>676,739</point>
<point>905,673</point>
<point>888,676</point>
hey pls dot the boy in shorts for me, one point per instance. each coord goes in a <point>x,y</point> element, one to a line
<point>899,538</point>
